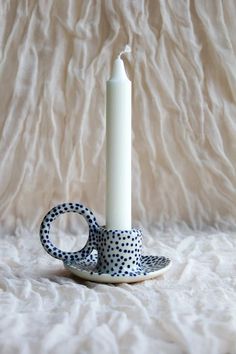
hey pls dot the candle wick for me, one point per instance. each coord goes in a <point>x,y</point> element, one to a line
<point>126,49</point>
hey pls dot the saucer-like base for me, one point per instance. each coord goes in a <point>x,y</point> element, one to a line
<point>151,267</point>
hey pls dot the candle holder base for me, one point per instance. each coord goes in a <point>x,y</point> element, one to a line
<point>109,256</point>
<point>151,267</point>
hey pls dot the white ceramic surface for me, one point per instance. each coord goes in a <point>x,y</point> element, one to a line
<point>152,266</point>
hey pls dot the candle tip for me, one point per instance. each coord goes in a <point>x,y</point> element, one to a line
<point>126,49</point>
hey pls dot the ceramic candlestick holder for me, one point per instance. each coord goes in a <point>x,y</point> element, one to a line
<point>109,256</point>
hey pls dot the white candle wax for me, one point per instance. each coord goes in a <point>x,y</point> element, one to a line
<point>118,149</point>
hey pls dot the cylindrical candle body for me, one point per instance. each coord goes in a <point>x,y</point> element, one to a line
<point>118,149</point>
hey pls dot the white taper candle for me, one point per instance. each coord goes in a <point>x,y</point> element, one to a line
<point>118,149</point>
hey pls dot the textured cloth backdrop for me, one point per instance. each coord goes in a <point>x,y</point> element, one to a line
<point>55,59</point>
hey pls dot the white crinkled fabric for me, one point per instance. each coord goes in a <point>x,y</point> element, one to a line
<point>55,59</point>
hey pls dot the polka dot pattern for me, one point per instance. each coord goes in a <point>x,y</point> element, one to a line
<point>88,267</point>
<point>52,215</point>
<point>119,251</point>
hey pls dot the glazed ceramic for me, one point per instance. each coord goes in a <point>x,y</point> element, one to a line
<point>108,256</point>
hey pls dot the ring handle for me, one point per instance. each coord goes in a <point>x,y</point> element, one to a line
<point>54,251</point>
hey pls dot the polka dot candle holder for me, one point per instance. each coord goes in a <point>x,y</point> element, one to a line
<point>109,256</point>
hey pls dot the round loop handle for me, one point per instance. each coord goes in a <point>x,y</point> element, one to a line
<point>52,215</point>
